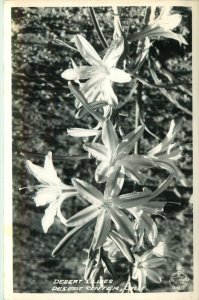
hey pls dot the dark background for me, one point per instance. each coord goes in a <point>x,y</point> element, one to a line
<point>43,109</point>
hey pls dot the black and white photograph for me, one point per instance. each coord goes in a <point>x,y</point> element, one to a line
<point>102,148</point>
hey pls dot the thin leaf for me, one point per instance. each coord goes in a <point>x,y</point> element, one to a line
<point>94,105</point>
<point>78,94</point>
<point>97,27</point>
<point>167,95</point>
<point>79,156</point>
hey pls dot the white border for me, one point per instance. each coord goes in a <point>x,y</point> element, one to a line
<point>8,231</point>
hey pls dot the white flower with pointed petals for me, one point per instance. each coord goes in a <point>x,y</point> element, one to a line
<point>51,190</point>
<point>115,156</point>
<point>101,73</point>
<point>102,209</point>
<point>146,266</point>
<point>167,152</point>
<point>162,26</point>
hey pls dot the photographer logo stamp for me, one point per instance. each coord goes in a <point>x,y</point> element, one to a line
<point>178,281</point>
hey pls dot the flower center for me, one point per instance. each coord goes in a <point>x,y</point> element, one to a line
<point>107,204</point>
<point>104,71</point>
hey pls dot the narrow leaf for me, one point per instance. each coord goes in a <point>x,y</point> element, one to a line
<point>93,105</point>
<point>78,94</point>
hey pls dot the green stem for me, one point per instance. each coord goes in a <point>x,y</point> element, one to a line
<point>97,27</point>
<point>28,155</point>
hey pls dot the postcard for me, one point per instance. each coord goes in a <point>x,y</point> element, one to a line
<point>101,149</point>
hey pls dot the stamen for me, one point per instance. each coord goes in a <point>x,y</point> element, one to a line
<point>32,186</point>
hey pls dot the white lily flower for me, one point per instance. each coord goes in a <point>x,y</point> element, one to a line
<point>115,155</point>
<point>145,266</point>
<point>101,72</point>
<point>162,26</point>
<point>166,152</point>
<point>51,190</point>
<point>104,210</point>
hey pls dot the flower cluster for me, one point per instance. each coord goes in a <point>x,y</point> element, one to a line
<point>121,220</point>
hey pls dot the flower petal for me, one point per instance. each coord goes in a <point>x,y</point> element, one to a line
<point>48,165</point>
<point>128,142</point>
<point>69,236</point>
<point>109,136</point>
<point>154,263</point>
<point>119,76</point>
<point>170,22</point>
<point>42,174</point>
<point>114,52</point>
<point>123,225</point>
<point>138,161</point>
<point>132,165</point>
<point>114,183</point>
<point>153,275</point>
<point>150,227</point>
<point>82,132</point>
<point>87,51</point>
<point>88,192</point>
<point>170,166</point>
<point>122,246</point>
<point>91,88</point>
<point>157,32</point>
<point>132,199</point>
<point>162,147</point>
<point>153,207</point>
<point>84,216</point>
<point>97,150</point>
<point>102,229</point>
<point>103,172</point>
<point>82,72</point>
<point>141,279</point>
<point>46,195</point>
<point>135,175</point>
<point>108,93</point>
<point>49,216</point>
